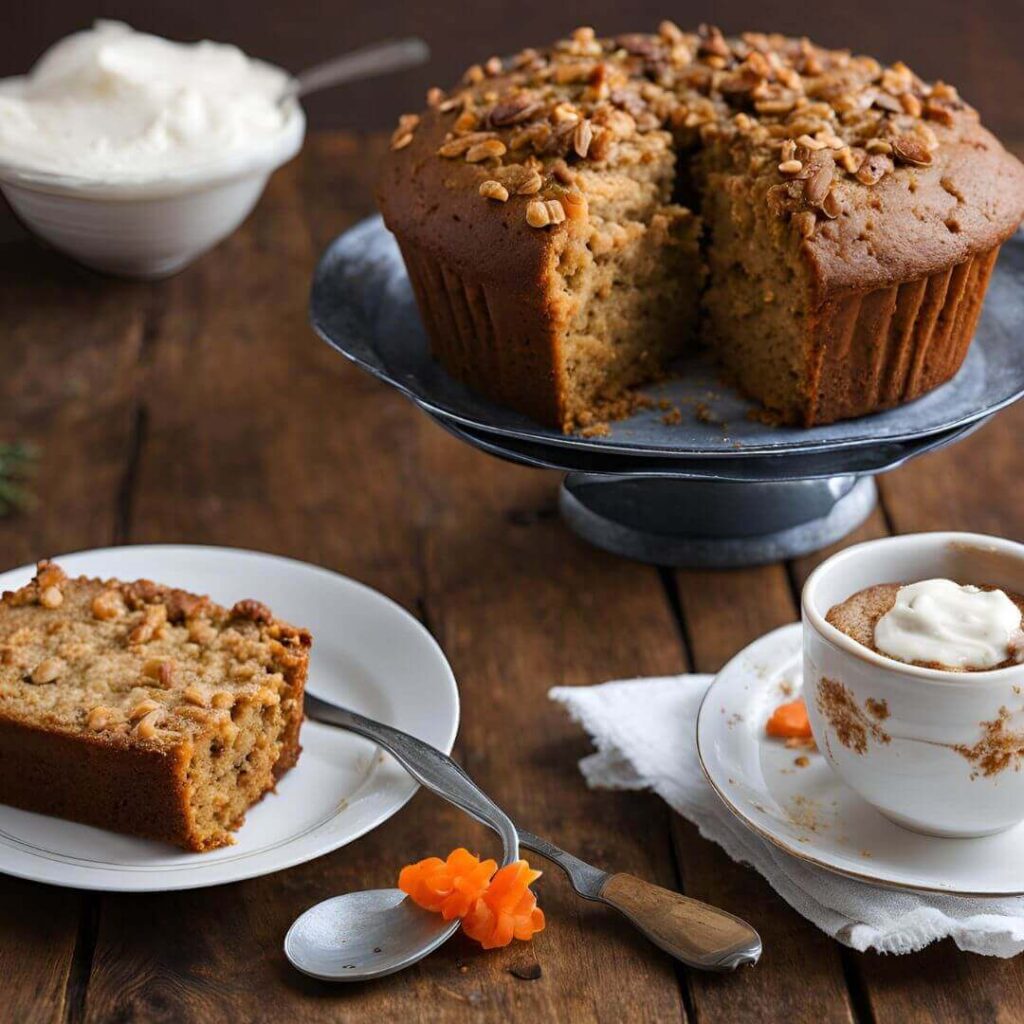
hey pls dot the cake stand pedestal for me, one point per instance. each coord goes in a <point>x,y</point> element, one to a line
<point>713,523</point>
<point>712,513</point>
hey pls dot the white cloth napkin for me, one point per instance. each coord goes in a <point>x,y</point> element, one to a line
<point>644,731</point>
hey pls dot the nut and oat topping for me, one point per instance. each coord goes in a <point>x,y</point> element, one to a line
<point>127,653</point>
<point>492,189</point>
<point>768,101</point>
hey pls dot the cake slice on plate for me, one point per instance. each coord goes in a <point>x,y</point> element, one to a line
<point>145,709</point>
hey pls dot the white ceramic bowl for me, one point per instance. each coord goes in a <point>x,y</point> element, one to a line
<point>937,752</point>
<point>152,228</point>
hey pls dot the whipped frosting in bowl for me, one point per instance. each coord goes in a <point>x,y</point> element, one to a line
<point>941,622</point>
<point>113,110</point>
<point>134,154</point>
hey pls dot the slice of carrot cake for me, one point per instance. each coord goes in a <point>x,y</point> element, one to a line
<point>145,709</point>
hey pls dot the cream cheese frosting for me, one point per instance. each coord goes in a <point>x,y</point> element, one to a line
<point>939,621</point>
<point>117,105</point>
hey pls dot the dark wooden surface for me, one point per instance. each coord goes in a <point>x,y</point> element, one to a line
<point>976,45</point>
<point>203,409</point>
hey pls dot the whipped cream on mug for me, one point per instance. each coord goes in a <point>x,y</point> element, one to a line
<point>117,105</point>
<point>942,622</point>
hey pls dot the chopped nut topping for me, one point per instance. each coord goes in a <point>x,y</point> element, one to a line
<point>458,147</point>
<point>142,709</point>
<point>831,206</point>
<point>47,671</point>
<point>51,597</point>
<point>193,695</point>
<point>99,718</point>
<point>537,215</point>
<point>146,727</point>
<point>515,110</point>
<point>494,190</point>
<point>911,151</point>
<point>582,137</point>
<point>817,185</point>
<point>153,618</point>
<point>556,211</point>
<point>402,135</point>
<point>774,103</point>
<point>489,149</point>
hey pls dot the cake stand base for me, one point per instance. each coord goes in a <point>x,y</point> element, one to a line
<point>713,523</point>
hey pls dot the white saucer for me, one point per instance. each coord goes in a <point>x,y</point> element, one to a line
<point>808,811</point>
<point>368,654</point>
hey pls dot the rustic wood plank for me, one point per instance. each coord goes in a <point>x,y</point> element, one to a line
<point>67,386</point>
<point>520,605</point>
<point>800,976</point>
<point>258,436</point>
<point>974,485</point>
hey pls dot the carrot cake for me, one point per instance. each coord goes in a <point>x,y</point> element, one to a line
<point>575,217</point>
<point>145,709</point>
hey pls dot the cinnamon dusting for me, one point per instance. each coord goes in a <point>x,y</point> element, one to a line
<point>851,725</point>
<point>998,749</point>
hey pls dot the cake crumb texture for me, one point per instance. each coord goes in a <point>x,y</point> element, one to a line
<point>574,218</point>
<point>143,708</point>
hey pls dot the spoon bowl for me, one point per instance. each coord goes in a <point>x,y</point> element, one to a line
<point>363,935</point>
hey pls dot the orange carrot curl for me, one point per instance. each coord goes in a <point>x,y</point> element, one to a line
<point>507,910</point>
<point>449,887</point>
<point>495,908</point>
<point>790,721</point>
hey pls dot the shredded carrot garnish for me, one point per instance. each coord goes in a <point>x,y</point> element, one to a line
<point>449,887</point>
<point>790,721</point>
<point>495,908</point>
<point>507,910</point>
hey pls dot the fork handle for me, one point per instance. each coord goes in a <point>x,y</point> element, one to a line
<point>694,932</point>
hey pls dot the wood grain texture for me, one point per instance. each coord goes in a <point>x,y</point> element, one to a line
<point>698,933</point>
<point>67,350</point>
<point>203,409</point>
<point>723,612</point>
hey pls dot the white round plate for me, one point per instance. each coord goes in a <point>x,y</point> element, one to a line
<point>368,654</point>
<point>808,811</point>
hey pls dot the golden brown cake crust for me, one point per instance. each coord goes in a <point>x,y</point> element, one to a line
<point>895,196</point>
<point>110,690</point>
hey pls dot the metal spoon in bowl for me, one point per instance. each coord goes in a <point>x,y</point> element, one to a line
<point>369,934</point>
<point>368,62</point>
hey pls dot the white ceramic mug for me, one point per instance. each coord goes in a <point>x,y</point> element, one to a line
<point>937,752</point>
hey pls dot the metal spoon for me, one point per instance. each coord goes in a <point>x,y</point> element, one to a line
<point>369,934</point>
<point>366,935</point>
<point>368,62</point>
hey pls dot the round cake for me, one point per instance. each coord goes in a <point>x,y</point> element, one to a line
<point>574,218</point>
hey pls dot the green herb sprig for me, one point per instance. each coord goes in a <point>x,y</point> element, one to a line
<point>18,462</point>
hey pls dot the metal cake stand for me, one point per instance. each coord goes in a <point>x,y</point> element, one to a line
<point>716,488</point>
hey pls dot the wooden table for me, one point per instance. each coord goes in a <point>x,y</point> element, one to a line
<point>203,409</point>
